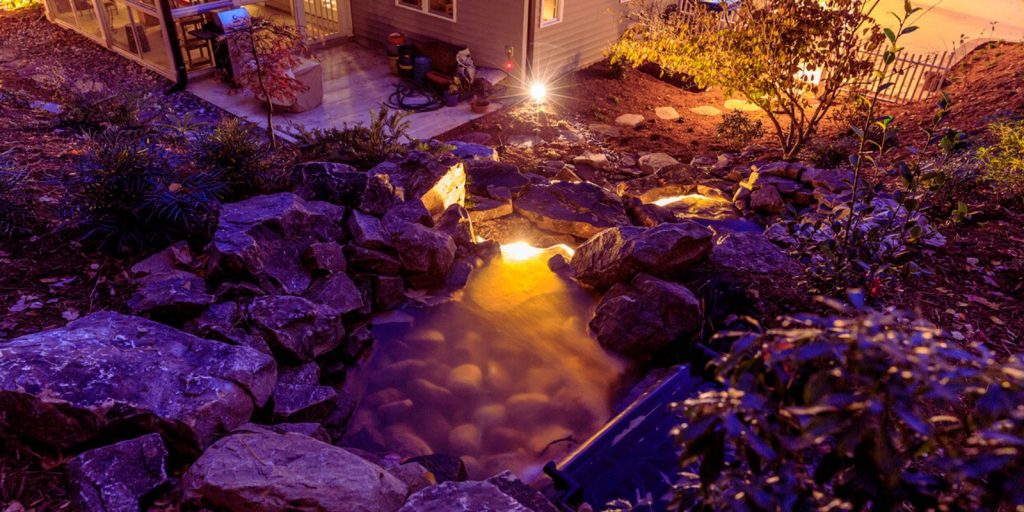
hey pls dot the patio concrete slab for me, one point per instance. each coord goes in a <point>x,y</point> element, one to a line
<point>357,80</point>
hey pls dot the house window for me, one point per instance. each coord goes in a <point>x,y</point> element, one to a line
<point>440,8</point>
<point>550,12</point>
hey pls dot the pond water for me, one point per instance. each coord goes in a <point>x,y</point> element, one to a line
<point>504,376</point>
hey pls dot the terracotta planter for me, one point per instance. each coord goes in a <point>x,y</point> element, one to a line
<point>480,106</point>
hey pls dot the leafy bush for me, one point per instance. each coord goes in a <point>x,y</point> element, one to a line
<point>237,153</point>
<point>1004,160</point>
<point>91,110</point>
<point>737,129</point>
<point>15,216</point>
<point>359,146</point>
<point>126,195</point>
<point>14,5</point>
<point>768,52</point>
<point>861,410</point>
<point>829,156</point>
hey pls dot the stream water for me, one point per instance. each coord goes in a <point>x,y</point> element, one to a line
<point>504,376</point>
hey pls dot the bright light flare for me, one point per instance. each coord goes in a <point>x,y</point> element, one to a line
<point>523,251</point>
<point>539,92</point>
<point>665,201</point>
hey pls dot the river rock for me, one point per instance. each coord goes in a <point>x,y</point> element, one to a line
<point>473,151</point>
<point>578,209</point>
<point>296,327</point>
<point>337,292</point>
<point>328,181</point>
<point>367,231</point>
<point>424,251</point>
<point>302,402</point>
<point>599,161</point>
<point>116,477</point>
<point>266,236</point>
<point>767,199</point>
<point>656,162</point>
<point>743,253</point>
<point>436,181</point>
<point>629,120</point>
<point>484,175</point>
<point>462,497</point>
<point>109,372</point>
<point>617,254</point>
<point>641,318</point>
<point>325,257</point>
<point>361,259</point>
<point>170,296</point>
<point>258,470</point>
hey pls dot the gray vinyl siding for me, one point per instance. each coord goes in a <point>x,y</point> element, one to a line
<point>587,29</point>
<point>485,26</point>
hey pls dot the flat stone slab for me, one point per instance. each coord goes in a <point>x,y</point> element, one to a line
<point>108,371</point>
<point>706,110</point>
<point>483,209</point>
<point>629,120</point>
<point>578,209</point>
<point>667,113</point>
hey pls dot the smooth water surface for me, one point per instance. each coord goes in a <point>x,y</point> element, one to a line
<point>505,376</point>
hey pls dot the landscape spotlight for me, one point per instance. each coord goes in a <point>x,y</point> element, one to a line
<point>538,92</point>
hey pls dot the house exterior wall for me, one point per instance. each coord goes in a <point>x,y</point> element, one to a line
<point>587,29</point>
<point>485,26</point>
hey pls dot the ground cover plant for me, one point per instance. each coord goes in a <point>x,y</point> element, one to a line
<point>861,409</point>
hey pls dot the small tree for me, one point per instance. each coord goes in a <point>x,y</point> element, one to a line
<point>772,52</point>
<point>264,54</point>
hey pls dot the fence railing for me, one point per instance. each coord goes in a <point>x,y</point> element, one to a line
<point>914,77</point>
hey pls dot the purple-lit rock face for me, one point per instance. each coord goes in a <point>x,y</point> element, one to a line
<point>641,318</point>
<point>578,209</point>
<point>258,470</point>
<point>265,237</point>
<point>116,477</point>
<point>617,254</point>
<point>65,386</point>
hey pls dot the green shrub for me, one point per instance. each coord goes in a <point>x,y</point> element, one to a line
<point>1004,160</point>
<point>90,111</point>
<point>238,154</point>
<point>861,410</point>
<point>360,146</point>
<point>738,130</point>
<point>127,196</point>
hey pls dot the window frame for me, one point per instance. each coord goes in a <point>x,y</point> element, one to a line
<point>540,14</point>
<point>424,8</point>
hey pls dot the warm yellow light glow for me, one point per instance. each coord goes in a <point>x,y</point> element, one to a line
<point>539,92</point>
<point>665,201</point>
<point>522,251</point>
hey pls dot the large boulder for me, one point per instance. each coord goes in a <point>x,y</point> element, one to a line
<point>259,470</point>
<point>643,317</point>
<point>617,254</point>
<point>578,209</point>
<point>117,477</point>
<point>296,327</point>
<point>265,237</point>
<point>328,181</point>
<point>108,373</point>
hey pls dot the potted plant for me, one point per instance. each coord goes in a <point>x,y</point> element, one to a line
<point>451,96</point>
